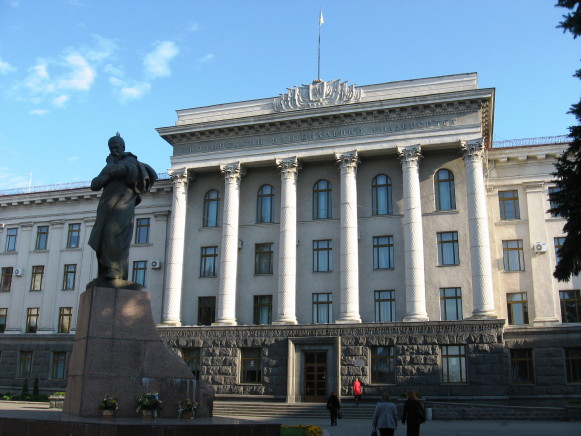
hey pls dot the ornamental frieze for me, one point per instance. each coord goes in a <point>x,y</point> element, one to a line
<point>317,94</point>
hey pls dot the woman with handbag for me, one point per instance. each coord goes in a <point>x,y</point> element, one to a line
<point>334,407</point>
<point>413,413</point>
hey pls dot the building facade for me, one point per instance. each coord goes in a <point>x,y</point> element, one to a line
<point>331,232</point>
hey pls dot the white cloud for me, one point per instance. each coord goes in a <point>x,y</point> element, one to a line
<point>134,92</point>
<point>5,67</point>
<point>10,180</point>
<point>156,63</point>
<point>56,80</point>
<point>205,59</point>
<point>60,101</point>
<point>73,158</point>
<point>39,112</point>
<point>193,26</point>
<point>81,75</point>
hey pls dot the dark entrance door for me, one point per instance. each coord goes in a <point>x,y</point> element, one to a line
<point>315,376</point>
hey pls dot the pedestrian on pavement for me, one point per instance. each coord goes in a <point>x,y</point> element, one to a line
<point>357,390</point>
<point>334,406</point>
<point>385,417</point>
<point>413,413</point>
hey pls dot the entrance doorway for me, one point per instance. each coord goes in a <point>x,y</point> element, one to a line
<point>315,376</point>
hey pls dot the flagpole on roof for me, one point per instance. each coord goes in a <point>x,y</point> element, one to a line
<point>321,21</point>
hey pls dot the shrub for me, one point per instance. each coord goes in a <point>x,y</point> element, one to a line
<point>300,430</point>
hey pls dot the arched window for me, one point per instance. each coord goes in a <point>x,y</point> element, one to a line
<point>381,195</point>
<point>322,200</point>
<point>211,208</point>
<point>265,204</point>
<point>444,190</point>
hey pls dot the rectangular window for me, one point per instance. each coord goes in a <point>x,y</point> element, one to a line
<point>206,310</point>
<point>74,236</point>
<point>250,365</point>
<point>383,365</point>
<point>3,319</point>
<point>31,320</point>
<point>382,252</point>
<point>450,304</point>
<point>139,269</point>
<point>521,365</point>
<point>11,235</point>
<point>570,306</point>
<point>192,358</point>
<point>573,364</point>
<point>142,231</point>
<point>208,261</point>
<point>552,202</point>
<point>384,306</point>
<point>262,309</point>
<point>41,238</point>
<point>263,259</point>
<point>513,255</point>
<point>448,248</point>
<point>6,279</point>
<point>24,364</point>
<point>322,308</point>
<point>558,244</point>
<point>65,317</point>
<point>37,276</point>
<point>508,203</point>
<point>453,364</point>
<point>58,364</point>
<point>323,255</point>
<point>69,277</point>
<point>517,308</point>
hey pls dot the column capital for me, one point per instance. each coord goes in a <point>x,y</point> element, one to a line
<point>232,171</point>
<point>288,165</point>
<point>473,150</point>
<point>410,154</point>
<point>178,175</point>
<point>348,161</point>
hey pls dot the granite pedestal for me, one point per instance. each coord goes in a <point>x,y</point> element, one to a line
<point>117,351</point>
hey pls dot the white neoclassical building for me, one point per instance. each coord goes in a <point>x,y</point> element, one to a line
<point>333,231</point>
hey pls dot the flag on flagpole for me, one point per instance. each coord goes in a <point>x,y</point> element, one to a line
<point>321,21</point>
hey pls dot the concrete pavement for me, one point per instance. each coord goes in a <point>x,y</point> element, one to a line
<point>346,427</point>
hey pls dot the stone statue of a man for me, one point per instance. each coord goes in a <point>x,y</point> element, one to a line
<point>123,180</point>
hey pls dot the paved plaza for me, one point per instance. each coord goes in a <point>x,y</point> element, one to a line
<point>346,427</point>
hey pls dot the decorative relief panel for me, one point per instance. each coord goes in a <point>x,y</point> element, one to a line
<point>317,94</point>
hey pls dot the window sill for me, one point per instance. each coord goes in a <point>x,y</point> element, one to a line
<point>146,244</point>
<point>447,265</point>
<point>515,271</point>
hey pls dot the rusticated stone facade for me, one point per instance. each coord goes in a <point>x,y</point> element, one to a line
<point>417,356</point>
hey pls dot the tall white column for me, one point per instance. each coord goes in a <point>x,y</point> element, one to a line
<point>413,236</point>
<point>229,253</point>
<point>482,291</point>
<point>349,240</point>
<point>287,258</point>
<point>172,300</point>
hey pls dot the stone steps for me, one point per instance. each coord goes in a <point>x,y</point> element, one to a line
<point>288,410</point>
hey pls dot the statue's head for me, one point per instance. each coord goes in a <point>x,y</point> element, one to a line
<point>116,144</point>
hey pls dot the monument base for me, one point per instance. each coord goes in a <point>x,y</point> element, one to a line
<point>118,352</point>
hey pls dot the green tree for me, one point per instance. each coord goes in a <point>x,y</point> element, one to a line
<point>25,395</point>
<point>567,199</point>
<point>35,392</point>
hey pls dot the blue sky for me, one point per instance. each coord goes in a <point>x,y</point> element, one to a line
<point>74,72</point>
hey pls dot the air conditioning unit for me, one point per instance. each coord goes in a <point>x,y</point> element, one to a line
<point>540,247</point>
<point>18,272</point>
<point>156,264</point>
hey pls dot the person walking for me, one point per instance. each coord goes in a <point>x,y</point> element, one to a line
<point>385,417</point>
<point>334,406</point>
<point>357,390</point>
<point>413,413</point>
